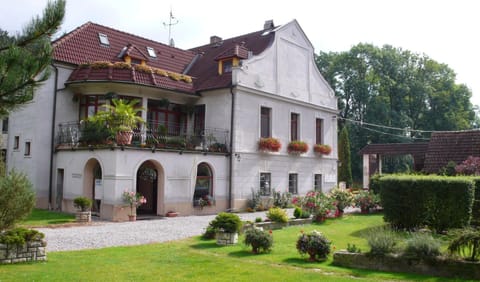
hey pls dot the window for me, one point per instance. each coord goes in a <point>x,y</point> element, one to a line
<point>103,39</point>
<point>265,129</point>
<point>265,184</point>
<point>227,66</point>
<point>90,105</point>
<point>27,148</point>
<point>166,117</point>
<point>317,182</point>
<point>203,184</point>
<point>293,183</point>
<point>151,52</point>
<point>5,126</point>
<point>294,118</point>
<point>16,142</point>
<point>135,61</point>
<point>199,120</point>
<point>319,131</point>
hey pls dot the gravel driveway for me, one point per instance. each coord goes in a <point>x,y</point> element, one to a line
<point>101,234</point>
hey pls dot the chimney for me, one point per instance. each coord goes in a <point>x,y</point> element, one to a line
<point>268,25</point>
<point>215,39</point>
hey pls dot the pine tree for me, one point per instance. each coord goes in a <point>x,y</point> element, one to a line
<point>24,58</point>
<point>345,169</point>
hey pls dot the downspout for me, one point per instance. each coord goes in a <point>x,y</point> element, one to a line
<point>52,138</point>
<point>232,115</point>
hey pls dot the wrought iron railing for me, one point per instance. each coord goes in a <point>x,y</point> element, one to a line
<point>151,135</point>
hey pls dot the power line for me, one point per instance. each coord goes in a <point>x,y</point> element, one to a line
<point>395,135</point>
<point>386,126</point>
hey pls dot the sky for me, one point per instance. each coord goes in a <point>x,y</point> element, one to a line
<point>444,30</point>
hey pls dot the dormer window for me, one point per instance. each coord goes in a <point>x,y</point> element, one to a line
<point>103,39</point>
<point>134,61</point>
<point>151,52</point>
<point>227,66</point>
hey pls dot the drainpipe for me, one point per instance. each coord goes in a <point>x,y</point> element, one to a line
<point>52,138</point>
<point>232,115</point>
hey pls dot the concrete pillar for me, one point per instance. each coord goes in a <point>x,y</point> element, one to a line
<point>366,170</point>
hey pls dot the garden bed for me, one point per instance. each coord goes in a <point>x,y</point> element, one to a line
<point>271,225</point>
<point>30,251</point>
<point>443,267</point>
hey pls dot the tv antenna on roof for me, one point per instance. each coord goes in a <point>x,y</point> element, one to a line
<point>171,21</point>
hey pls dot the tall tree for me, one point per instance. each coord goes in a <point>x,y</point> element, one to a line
<point>394,88</point>
<point>24,57</point>
<point>345,169</point>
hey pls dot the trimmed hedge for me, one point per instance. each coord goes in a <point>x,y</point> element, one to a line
<point>476,204</point>
<point>411,201</point>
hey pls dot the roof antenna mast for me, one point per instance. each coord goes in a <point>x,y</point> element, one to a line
<point>171,21</point>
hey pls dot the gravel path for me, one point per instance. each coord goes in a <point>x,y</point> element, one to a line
<point>102,234</point>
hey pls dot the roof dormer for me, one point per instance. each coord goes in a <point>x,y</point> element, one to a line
<point>231,58</point>
<point>133,55</point>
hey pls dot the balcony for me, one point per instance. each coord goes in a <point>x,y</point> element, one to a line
<point>162,136</point>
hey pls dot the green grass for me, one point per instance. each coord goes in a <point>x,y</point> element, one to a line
<point>40,218</point>
<point>197,260</point>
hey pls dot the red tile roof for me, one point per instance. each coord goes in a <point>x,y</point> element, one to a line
<point>82,46</point>
<point>419,148</point>
<point>451,146</point>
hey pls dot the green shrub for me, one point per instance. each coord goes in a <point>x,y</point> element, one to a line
<point>281,200</point>
<point>297,213</point>
<point>94,132</point>
<point>227,222</point>
<point>18,236</point>
<point>476,204</point>
<point>466,244</point>
<point>277,215</point>
<point>209,233</point>
<point>353,249</point>
<point>258,219</point>
<point>306,214</point>
<point>422,245</point>
<point>440,202</point>
<point>382,241</point>
<point>315,244</point>
<point>259,240</point>
<point>82,203</point>
<point>17,199</point>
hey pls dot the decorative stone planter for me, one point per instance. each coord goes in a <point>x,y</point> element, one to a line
<point>439,266</point>
<point>30,251</point>
<point>225,238</point>
<point>270,225</point>
<point>83,216</point>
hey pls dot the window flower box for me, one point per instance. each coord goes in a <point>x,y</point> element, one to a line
<point>322,149</point>
<point>297,147</point>
<point>269,145</point>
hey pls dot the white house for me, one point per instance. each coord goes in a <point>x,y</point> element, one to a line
<point>206,110</point>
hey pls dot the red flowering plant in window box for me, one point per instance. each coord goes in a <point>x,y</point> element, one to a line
<point>297,147</point>
<point>322,149</point>
<point>269,144</point>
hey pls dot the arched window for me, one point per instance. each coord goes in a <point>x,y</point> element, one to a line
<point>203,183</point>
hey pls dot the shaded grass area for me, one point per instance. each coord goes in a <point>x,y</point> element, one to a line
<point>195,259</point>
<point>40,218</point>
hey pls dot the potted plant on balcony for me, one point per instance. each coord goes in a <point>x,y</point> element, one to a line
<point>83,205</point>
<point>297,147</point>
<point>269,144</point>
<point>120,117</point>
<point>322,149</point>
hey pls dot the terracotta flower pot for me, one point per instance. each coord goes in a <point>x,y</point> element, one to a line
<point>132,217</point>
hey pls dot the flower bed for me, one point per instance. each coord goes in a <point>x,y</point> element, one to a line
<point>434,266</point>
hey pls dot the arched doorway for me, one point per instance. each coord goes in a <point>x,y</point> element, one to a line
<point>93,184</point>
<point>147,185</point>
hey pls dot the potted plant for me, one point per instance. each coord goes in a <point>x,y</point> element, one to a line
<point>83,205</point>
<point>365,200</point>
<point>205,201</point>
<point>269,144</point>
<point>134,200</point>
<point>227,226</point>
<point>322,149</point>
<point>120,117</point>
<point>342,198</point>
<point>297,147</point>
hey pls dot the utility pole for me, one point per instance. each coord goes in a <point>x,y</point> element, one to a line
<point>171,21</point>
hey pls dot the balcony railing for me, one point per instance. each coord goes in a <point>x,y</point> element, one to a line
<point>152,135</point>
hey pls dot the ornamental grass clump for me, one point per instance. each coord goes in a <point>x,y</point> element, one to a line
<point>277,215</point>
<point>422,245</point>
<point>382,241</point>
<point>466,244</point>
<point>260,240</point>
<point>315,244</point>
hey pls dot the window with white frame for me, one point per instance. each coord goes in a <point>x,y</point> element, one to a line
<point>317,182</point>
<point>203,184</point>
<point>293,183</point>
<point>265,117</point>
<point>16,142</point>
<point>294,126</point>
<point>319,131</point>
<point>265,183</point>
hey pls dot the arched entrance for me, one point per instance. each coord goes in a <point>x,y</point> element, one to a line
<point>93,184</point>
<point>148,176</point>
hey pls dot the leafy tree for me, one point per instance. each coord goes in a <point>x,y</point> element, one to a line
<point>17,199</point>
<point>24,57</point>
<point>394,88</point>
<point>345,169</point>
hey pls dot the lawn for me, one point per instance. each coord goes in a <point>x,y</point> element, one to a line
<point>40,218</point>
<point>197,260</point>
